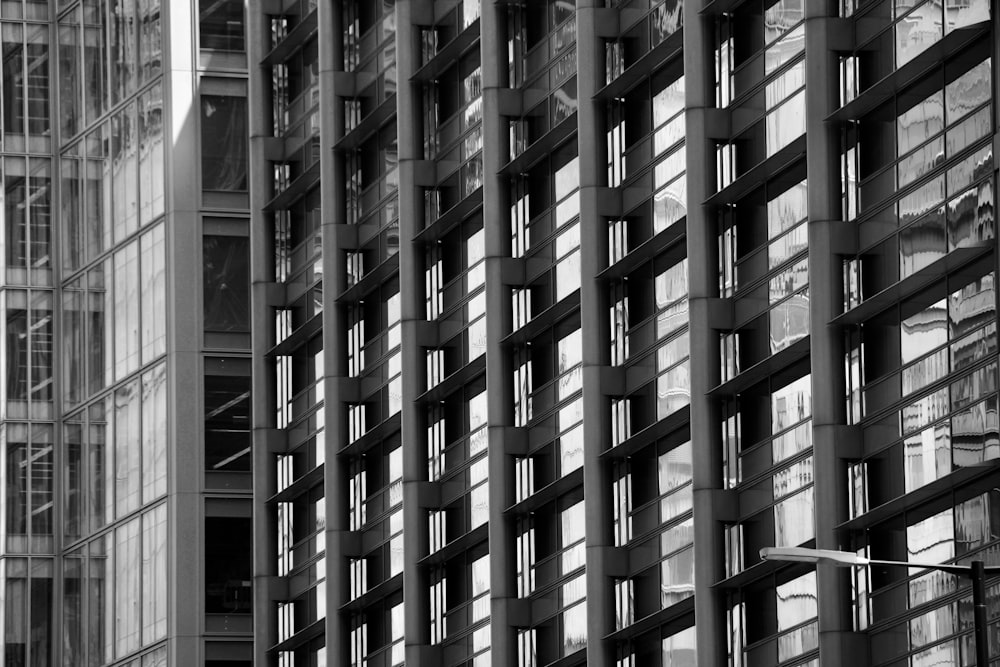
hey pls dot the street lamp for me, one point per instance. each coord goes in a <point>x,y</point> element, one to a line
<point>976,571</point>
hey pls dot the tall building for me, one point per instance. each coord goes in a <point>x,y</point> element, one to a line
<point>563,310</point>
<point>496,332</point>
<point>126,536</point>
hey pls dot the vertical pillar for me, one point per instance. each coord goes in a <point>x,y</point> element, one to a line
<point>416,592</point>
<point>263,388</point>
<point>499,319</point>
<point>185,457</point>
<point>703,286</point>
<point>332,202</point>
<point>594,325</point>
<point>826,342</point>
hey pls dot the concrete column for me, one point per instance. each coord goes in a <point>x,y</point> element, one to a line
<point>703,286</point>
<point>185,454</point>
<point>413,420</point>
<point>263,394</point>
<point>499,318</point>
<point>332,197</point>
<point>592,148</point>
<point>826,342</point>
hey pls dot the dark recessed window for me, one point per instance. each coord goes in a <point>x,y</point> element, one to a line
<point>221,25</point>
<point>226,261</point>
<point>224,143</point>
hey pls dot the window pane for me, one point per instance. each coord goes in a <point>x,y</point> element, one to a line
<point>126,300</point>
<point>227,284</point>
<point>125,172</point>
<point>128,590</point>
<point>69,74</point>
<point>150,46</point>
<point>221,24</point>
<point>123,47</point>
<point>154,574</point>
<point>154,433</point>
<point>127,455</point>
<point>227,423</point>
<point>151,154</point>
<point>154,295</point>
<point>223,143</point>
<point>228,565</point>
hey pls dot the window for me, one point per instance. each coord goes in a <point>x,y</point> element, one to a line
<point>227,415</point>
<point>226,284</point>
<point>221,25</point>
<point>228,565</point>
<point>223,143</point>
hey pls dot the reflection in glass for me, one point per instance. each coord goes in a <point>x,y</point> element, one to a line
<point>223,143</point>
<point>221,25</point>
<point>922,243</point>
<point>226,265</point>
<point>227,422</point>
<point>793,519</point>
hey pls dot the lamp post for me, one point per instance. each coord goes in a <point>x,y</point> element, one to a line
<point>976,571</point>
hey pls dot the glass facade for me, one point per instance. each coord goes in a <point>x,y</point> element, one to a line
<point>90,421</point>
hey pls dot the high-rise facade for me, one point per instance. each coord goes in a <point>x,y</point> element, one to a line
<point>563,310</point>
<point>125,536</point>
<point>495,332</point>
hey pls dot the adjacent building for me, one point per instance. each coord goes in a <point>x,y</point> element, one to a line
<point>563,310</point>
<point>126,535</point>
<point>496,332</point>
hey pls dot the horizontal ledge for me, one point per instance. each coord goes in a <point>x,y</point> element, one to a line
<point>674,422</point>
<point>541,147</point>
<point>454,216</point>
<point>545,320</point>
<point>783,160</point>
<point>293,41</point>
<point>448,54</point>
<point>372,437</point>
<point>644,67</point>
<point>370,280</point>
<point>888,86</point>
<point>368,125</point>
<point>912,284</point>
<point>763,369</point>
<point>647,251</point>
